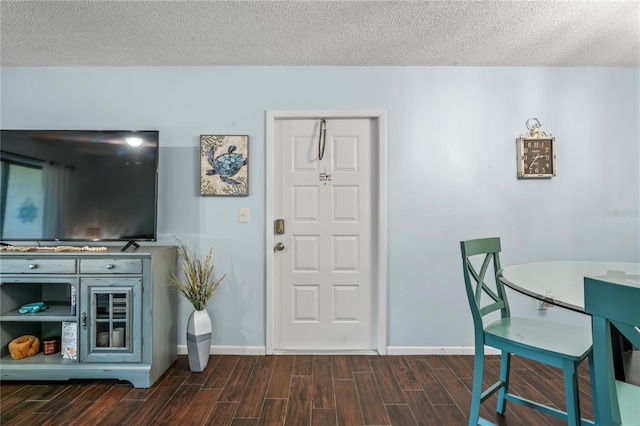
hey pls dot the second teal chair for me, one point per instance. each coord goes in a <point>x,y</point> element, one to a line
<point>613,301</point>
<point>559,345</point>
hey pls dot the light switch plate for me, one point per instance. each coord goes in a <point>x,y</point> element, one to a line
<point>243,215</point>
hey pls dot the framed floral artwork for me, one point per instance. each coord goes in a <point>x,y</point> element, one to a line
<point>224,165</point>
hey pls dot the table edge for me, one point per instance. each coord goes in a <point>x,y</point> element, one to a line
<point>537,296</point>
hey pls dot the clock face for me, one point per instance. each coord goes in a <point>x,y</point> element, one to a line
<point>537,158</point>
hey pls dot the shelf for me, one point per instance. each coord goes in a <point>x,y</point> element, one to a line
<point>55,313</point>
<point>39,358</point>
<point>114,317</point>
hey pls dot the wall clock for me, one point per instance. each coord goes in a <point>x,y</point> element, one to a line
<point>536,154</point>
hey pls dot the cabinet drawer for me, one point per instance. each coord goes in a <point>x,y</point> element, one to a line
<point>38,266</point>
<point>111,266</point>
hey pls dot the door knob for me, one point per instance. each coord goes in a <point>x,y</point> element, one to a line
<point>280,246</point>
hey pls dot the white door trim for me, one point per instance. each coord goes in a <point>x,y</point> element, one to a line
<point>381,185</point>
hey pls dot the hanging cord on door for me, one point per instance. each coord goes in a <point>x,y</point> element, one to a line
<point>322,138</point>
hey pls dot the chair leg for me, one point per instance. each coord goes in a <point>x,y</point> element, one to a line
<point>505,366</point>
<point>571,392</point>
<point>476,392</point>
<point>594,396</point>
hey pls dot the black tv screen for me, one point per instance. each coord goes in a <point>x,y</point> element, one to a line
<point>77,185</point>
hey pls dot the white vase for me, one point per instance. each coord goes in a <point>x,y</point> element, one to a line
<point>198,339</point>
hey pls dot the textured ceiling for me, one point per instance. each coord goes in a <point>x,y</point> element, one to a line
<point>465,33</point>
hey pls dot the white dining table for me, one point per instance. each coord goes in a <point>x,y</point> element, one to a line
<point>562,282</point>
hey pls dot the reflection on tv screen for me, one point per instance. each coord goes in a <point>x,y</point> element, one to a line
<point>78,185</point>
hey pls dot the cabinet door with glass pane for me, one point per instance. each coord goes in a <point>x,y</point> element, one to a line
<point>110,320</point>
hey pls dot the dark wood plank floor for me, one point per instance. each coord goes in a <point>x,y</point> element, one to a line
<point>294,390</point>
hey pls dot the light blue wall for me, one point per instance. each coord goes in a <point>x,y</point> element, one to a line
<point>451,165</point>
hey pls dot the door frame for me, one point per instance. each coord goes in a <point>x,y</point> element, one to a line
<point>380,191</point>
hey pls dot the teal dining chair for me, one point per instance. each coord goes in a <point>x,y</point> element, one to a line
<point>559,345</point>
<point>611,301</point>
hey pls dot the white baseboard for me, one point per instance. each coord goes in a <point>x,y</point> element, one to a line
<point>391,350</point>
<point>229,350</point>
<point>437,350</point>
<point>324,352</point>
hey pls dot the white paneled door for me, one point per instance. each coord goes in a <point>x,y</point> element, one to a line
<point>324,268</point>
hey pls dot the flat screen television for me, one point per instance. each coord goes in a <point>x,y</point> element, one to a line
<point>78,185</point>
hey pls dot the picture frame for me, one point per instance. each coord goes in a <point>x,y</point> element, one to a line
<point>224,165</point>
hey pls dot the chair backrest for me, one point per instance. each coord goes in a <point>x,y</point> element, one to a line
<point>475,279</point>
<point>613,301</point>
